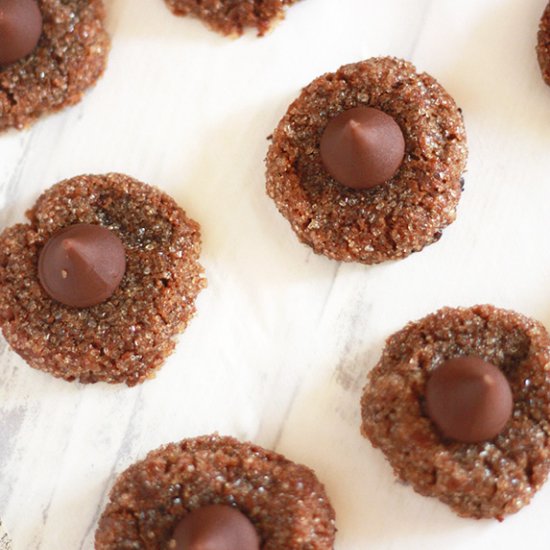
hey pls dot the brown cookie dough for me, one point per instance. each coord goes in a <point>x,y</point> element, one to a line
<point>230,17</point>
<point>127,337</point>
<point>394,219</point>
<point>71,55</point>
<point>284,501</point>
<point>480,480</point>
<point>543,47</point>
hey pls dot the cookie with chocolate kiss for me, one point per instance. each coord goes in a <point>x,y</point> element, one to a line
<point>543,45</point>
<point>52,51</point>
<point>232,17</point>
<point>374,188</point>
<point>202,488</point>
<point>459,403</point>
<point>101,279</point>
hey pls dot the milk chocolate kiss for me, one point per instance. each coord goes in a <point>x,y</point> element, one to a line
<point>20,29</point>
<point>469,399</point>
<point>362,147</point>
<point>216,527</point>
<point>82,265</point>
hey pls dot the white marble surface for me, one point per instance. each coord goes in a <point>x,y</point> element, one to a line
<point>283,339</point>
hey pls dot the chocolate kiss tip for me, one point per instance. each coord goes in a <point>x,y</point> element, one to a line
<point>86,260</point>
<point>354,125</point>
<point>358,136</point>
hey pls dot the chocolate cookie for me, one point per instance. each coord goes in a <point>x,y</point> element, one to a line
<point>70,56</point>
<point>543,47</point>
<point>230,17</point>
<point>284,501</point>
<point>99,307</point>
<point>368,221</point>
<point>484,467</point>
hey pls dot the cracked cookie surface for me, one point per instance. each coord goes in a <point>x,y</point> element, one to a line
<point>394,219</point>
<point>480,480</point>
<point>231,17</point>
<point>71,55</point>
<point>284,501</point>
<point>127,337</point>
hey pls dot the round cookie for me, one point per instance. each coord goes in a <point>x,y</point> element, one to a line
<point>230,17</point>
<point>284,501</point>
<point>127,337</point>
<point>489,479</point>
<point>394,219</point>
<point>71,55</point>
<point>543,46</point>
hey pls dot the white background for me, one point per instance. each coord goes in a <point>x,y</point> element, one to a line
<point>283,339</point>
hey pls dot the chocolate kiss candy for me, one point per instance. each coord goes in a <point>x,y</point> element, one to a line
<point>20,29</point>
<point>468,399</point>
<point>362,147</point>
<point>216,527</point>
<point>82,265</point>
